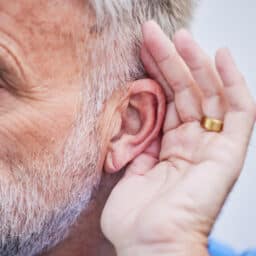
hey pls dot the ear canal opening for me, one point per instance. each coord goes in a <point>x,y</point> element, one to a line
<point>148,116</point>
<point>132,120</point>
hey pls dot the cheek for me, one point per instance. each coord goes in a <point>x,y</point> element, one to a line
<point>29,130</point>
<point>46,188</point>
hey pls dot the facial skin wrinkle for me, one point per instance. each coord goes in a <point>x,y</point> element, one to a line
<point>12,40</point>
<point>15,59</point>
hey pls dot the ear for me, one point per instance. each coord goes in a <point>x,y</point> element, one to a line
<point>141,118</point>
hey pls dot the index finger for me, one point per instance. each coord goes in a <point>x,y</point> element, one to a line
<point>174,70</point>
<point>166,57</point>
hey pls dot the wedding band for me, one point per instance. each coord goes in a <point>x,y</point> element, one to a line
<point>211,124</point>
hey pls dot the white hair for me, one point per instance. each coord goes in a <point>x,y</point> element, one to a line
<point>118,37</point>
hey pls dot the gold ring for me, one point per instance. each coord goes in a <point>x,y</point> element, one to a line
<point>211,124</point>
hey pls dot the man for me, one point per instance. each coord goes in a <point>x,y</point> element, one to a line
<point>69,106</point>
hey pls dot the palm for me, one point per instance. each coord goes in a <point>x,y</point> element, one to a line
<point>181,195</point>
<point>139,202</point>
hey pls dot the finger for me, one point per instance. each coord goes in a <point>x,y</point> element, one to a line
<point>172,119</point>
<point>174,70</point>
<point>154,72</point>
<point>241,113</point>
<point>204,73</point>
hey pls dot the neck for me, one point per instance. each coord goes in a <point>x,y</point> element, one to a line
<point>85,237</point>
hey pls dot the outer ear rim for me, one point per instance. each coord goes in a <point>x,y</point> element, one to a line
<point>137,87</point>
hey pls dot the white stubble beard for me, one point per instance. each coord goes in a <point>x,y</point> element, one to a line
<point>37,209</point>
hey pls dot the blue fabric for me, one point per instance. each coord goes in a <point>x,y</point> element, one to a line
<point>249,253</point>
<point>218,249</point>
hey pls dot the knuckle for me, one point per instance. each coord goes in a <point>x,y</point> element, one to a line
<point>169,56</point>
<point>165,58</point>
<point>177,85</point>
<point>181,83</point>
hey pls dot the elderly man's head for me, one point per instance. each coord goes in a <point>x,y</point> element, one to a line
<point>68,105</point>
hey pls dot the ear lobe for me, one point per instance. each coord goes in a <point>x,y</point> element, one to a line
<point>142,121</point>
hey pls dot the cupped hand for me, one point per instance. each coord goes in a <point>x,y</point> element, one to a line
<point>171,195</point>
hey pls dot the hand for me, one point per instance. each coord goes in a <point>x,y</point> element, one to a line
<point>170,196</point>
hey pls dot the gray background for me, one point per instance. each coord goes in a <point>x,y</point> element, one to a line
<point>231,23</point>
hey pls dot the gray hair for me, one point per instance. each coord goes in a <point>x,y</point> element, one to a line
<point>118,33</point>
<point>114,61</point>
